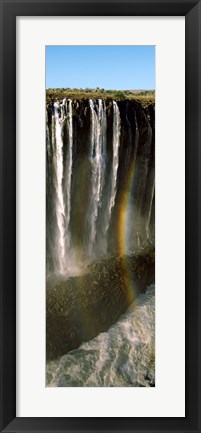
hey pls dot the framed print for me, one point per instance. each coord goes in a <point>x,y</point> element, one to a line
<point>100,171</point>
<point>100,243</point>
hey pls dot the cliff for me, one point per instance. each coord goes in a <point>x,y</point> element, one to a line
<point>100,210</point>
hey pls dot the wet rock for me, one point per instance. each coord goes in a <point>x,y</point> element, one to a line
<point>81,307</point>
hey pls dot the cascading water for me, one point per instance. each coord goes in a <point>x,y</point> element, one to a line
<point>90,156</point>
<point>69,163</point>
<point>113,177</point>
<point>60,205</point>
<point>115,162</point>
<point>97,159</point>
<point>61,173</point>
<point>47,137</point>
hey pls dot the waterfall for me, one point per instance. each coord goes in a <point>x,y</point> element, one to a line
<point>113,175</point>
<point>60,204</point>
<point>69,163</point>
<point>47,136</point>
<point>62,174</point>
<point>115,162</point>
<point>90,156</point>
<point>97,159</point>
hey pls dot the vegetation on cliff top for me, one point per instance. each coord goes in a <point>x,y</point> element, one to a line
<point>145,97</point>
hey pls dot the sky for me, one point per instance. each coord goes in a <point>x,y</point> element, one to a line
<point>109,67</point>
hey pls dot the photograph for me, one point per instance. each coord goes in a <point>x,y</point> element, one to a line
<point>100,215</point>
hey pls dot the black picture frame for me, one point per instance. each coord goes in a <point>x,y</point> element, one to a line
<point>191,9</point>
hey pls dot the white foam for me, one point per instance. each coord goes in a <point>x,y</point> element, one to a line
<point>123,356</point>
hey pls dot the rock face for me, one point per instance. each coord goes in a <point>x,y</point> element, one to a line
<point>81,307</point>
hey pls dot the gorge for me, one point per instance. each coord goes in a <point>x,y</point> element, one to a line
<point>100,215</point>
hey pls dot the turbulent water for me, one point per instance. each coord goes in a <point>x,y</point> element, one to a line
<point>123,356</point>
